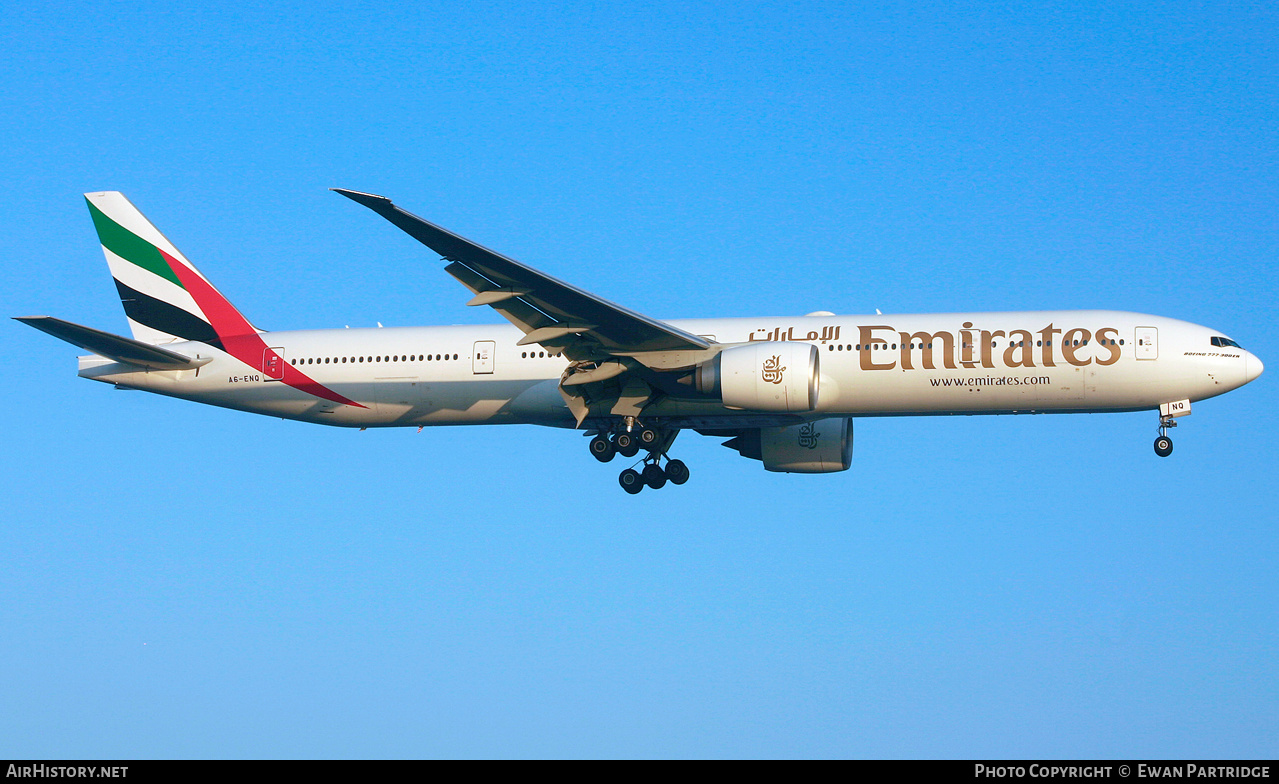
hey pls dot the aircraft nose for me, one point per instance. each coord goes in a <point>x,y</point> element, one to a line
<point>1252,367</point>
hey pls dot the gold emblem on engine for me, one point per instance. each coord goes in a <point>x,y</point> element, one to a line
<point>808,436</point>
<point>773,369</point>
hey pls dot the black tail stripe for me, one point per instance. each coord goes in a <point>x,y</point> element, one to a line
<point>158,314</point>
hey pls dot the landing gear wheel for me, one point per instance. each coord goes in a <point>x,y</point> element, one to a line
<point>647,437</point>
<point>603,449</point>
<point>626,444</point>
<point>677,472</point>
<point>654,476</point>
<point>1163,446</point>
<point>631,481</point>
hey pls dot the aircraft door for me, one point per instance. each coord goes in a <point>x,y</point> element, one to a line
<point>273,364</point>
<point>1147,343</point>
<point>482,359</point>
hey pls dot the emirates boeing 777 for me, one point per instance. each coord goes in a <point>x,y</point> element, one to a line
<point>783,390</point>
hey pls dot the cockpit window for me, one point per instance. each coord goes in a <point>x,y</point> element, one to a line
<point>1221,342</point>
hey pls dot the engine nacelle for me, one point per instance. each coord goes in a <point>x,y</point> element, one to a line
<point>819,447</point>
<point>777,376</point>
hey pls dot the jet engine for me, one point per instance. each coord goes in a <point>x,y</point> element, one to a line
<point>769,376</point>
<point>820,447</point>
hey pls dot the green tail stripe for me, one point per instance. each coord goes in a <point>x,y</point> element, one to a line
<point>130,246</point>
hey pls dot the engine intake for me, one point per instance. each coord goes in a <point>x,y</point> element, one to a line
<point>769,376</point>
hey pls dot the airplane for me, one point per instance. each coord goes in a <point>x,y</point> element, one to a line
<point>782,390</point>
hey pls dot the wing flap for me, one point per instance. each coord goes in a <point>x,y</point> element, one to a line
<point>514,309</point>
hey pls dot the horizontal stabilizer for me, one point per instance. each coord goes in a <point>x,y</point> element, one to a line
<point>130,352</point>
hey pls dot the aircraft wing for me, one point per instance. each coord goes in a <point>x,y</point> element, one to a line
<point>549,311</point>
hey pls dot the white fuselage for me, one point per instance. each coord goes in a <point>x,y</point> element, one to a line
<point>877,365</point>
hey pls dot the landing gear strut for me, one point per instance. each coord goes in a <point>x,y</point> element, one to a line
<point>1163,444</point>
<point>628,442</point>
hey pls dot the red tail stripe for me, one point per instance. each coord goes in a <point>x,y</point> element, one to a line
<point>238,336</point>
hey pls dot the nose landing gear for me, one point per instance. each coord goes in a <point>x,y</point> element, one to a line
<point>1163,444</point>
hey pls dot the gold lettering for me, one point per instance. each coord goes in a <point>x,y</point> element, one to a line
<point>1046,334</point>
<point>1068,347</point>
<point>926,345</point>
<point>986,340</point>
<point>968,347</point>
<point>1025,344</point>
<point>1106,341</point>
<point>867,359</point>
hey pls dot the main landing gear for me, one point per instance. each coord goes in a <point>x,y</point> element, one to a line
<point>628,442</point>
<point>653,475</point>
<point>1163,444</point>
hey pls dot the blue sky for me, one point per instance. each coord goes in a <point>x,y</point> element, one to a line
<point>182,581</point>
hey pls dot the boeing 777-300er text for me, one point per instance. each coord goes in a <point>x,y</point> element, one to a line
<point>782,390</point>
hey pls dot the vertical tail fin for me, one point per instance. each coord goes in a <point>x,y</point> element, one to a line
<point>165,297</point>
